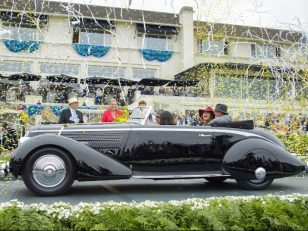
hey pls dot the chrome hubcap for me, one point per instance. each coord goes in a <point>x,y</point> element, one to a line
<point>49,171</point>
<point>260,174</point>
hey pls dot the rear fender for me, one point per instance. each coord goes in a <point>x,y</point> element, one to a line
<point>243,158</point>
<point>90,163</point>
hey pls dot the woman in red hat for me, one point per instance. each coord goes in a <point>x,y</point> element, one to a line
<point>206,115</point>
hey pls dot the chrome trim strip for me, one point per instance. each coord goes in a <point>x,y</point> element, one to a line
<point>179,176</point>
<point>203,135</point>
<point>53,131</point>
<point>157,129</point>
<point>243,133</point>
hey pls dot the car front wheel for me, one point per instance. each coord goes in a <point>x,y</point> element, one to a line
<point>255,184</point>
<point>49,172</point>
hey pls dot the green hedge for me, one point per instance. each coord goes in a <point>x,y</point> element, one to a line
<point>230,213</point>
<point>296,143</point>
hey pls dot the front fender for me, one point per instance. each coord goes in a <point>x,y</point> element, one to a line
<point>90,163</point>
<point>246,156</point>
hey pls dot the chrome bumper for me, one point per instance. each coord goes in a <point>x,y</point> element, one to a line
<point>4,169</point>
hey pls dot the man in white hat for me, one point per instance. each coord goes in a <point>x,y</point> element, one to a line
<point>71,115</point>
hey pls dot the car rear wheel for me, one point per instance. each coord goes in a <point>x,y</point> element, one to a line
<point>49,172</point>
<point>255,184</point>
<point>216,179</point>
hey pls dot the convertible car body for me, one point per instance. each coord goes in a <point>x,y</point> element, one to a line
<point>50,157</point>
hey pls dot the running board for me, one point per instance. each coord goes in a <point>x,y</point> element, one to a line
<point>176,176</point>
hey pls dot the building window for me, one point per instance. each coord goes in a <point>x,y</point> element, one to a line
<point>241,87</point>
<point>59,68</point>
<point>23,27</point>
<point>92,37</point>
<point>212,47</point>
<point>256,88</point>
<point>264,51</point>
<point>13,66</point>
<point>155,37</point>
<point>22,32</point>
<point>253,50</point>
<point>139,73</point>
<point>228,86</point>
<point>155,42</point>
<point>106,72</point>
<point>92,32</point>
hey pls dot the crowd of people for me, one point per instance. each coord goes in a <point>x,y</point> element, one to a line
<point>280,123</point>
<point>50,94</point>
<point>203,117</point>
<point>61,93</point>
<point>287,123</point>
<point>208,116</point>
<point>12,93</point>
<point>188,91</point>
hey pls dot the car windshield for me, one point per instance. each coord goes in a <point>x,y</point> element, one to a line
<point>140,115</point>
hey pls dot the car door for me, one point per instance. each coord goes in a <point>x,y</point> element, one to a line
<point>172,148</point>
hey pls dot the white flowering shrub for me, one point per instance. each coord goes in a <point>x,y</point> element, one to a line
<point>228,213</point>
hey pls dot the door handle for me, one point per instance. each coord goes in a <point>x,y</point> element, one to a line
<point>204,135</point>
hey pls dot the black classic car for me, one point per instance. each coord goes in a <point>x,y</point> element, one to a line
<point>51,157</point>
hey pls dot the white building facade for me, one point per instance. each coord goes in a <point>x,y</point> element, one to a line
<point>84,41</point>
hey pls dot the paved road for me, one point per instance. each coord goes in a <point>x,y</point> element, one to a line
<point>141,190</point>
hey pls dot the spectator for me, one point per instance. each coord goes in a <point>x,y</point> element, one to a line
<point>9,137</point>
<point>206,116</point>
<point>51,95</point>
<point>221,115</point>
<point>161,91</point>
<point>157,117</point>
<point>130,95</point>
<point>268,121</point>
<point>143,103</point>
<point>110,114</point>
<point>98,97</point>
<point>71,115</point>
<point>118,95</point>
<point>166,118</point>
